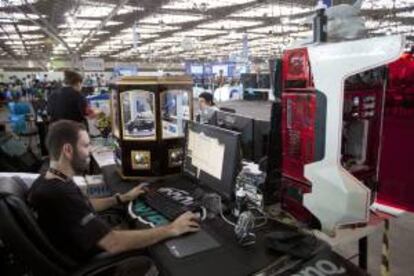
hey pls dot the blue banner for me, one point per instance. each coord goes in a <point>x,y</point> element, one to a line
<point>125,70</point>
<point>198,69</point>
<point>328,3</point>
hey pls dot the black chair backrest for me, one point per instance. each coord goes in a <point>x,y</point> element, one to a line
<point>228,109</point>
<point>22,235</point>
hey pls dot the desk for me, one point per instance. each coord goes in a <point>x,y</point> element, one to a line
<point>102,155</point>
<point>228,260</point>
<point>236,261</point>
<point>117,185</point>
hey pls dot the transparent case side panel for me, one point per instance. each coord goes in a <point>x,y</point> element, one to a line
<point>115,113</point>
<point>175,108</point>
<point>362,120</point>
<point>138,115</point>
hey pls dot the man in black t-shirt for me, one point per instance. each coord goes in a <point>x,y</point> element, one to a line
<point>68,103</point>
<point>69,218</point>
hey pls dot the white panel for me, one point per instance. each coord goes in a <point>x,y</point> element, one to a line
<point>338,198</point>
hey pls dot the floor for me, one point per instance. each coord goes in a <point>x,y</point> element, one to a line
<point>401,250</point>
<point>401,229</point>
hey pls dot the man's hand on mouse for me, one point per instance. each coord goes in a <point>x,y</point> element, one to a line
<point>134,193</point>
<point>187,222</point>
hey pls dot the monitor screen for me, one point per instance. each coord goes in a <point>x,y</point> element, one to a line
<point>261,139</point>
<point>197,69</point>
<point>241,124</point>
<point>248,80</point>
<point>212,156</point>
<point>216,68</point>
<point>263,81</point>
<point>125,70</point>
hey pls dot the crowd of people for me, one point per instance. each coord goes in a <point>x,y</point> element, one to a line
<point>28,87</point>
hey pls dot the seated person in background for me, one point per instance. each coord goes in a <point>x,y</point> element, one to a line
<point>18,107</point>
<point>207,107</point>
<point>69,218</point>
<point>18,112</point>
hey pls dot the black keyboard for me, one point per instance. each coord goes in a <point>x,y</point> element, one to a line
<point>167,206</point>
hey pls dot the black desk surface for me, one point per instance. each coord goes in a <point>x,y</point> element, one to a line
<point>227,260</point>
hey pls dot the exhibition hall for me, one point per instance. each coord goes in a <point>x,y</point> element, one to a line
<point>199,138</point>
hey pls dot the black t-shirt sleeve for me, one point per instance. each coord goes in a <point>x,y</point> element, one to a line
<point>85,227</point>
<point>51,104</point>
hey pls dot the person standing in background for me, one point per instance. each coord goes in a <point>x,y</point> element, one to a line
<point>68,102</point>
<point>220,81</point>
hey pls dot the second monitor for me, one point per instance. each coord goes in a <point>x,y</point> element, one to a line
<point>243,125</point>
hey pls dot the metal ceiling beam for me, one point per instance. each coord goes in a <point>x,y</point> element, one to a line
<point>229,10</point>
<point>267,22</point>
<point>102,24</point>
<point>7,50</point>
<point>21,38</point>
<point>222,13</point>
<point>46,27</point>
<point>381,13</point>
<point>5,47</point>
<point>409,21</point>
<point>212,15</point>
<point>236,41</point>
<point>150,7</point>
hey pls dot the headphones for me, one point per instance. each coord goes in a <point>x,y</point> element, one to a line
<point>244,229</point>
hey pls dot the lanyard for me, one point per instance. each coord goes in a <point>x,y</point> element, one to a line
<point>59,173</point>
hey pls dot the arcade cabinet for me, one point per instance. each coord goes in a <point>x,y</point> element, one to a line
<point>148,116</point>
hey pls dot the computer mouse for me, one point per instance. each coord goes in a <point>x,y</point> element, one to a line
<point>144,184</point>
<point>200,212</point>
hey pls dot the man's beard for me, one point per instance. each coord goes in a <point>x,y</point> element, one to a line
<point>80,165</point>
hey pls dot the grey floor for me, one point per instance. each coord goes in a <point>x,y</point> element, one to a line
<point>401,234</point>
<point>401,248</point>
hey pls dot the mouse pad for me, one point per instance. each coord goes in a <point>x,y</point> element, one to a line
<point>191,244</point>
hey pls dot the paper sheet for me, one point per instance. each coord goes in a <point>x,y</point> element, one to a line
<point>104,158</point>
<point>207,154</point>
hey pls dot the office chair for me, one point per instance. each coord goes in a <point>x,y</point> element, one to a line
<point>21,234</point>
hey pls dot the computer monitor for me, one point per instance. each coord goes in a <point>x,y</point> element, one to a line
<point>243,125</point>
<point>212,156</point>
<point>197,69</point>
<point>261,139</point>
<point>264,81</point>
<point>216,68</point>
<point>248,80</point>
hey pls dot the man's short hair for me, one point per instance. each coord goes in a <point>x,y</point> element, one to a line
<point>60,133</point>
<point>72,77</point>
<point>208,97</point>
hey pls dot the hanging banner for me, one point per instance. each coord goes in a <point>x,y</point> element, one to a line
<point>328,3</point>
<point>125,70</point>
<point>93,64</point>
